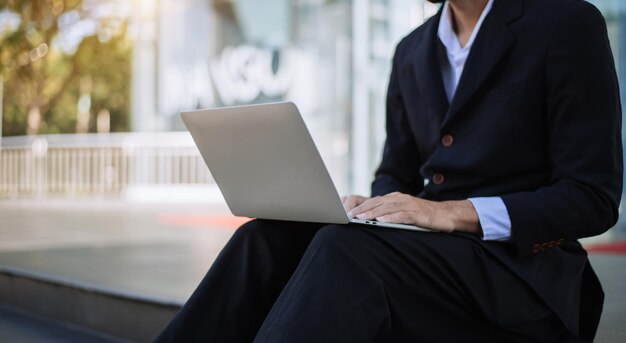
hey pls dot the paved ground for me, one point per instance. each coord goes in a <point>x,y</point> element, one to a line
<point>20,328</point>
<point>612,272</point>
<point>160,251</point>
<point>163,251</point>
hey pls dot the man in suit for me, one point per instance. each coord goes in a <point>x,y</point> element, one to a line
<point>503,133</point>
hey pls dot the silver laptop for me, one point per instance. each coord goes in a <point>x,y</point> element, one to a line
<point>267,166</point>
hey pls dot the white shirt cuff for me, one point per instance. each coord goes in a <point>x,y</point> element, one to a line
<point>494,218</point>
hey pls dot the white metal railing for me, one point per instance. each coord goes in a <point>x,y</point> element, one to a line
<point>96,164</point>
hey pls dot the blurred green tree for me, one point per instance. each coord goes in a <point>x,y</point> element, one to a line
<point>62,63</point>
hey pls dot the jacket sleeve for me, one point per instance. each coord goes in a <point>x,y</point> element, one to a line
<point>399,168</point>
<point>584,139</point>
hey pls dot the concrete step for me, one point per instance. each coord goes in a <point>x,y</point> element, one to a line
<point>126,316</point>
<point>117,314</point>
<point>19,327</point>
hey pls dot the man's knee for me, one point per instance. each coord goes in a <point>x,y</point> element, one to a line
<point>275,233</point>
<point>340,237</point>
<point>253,228</point>
<point>328,234</point>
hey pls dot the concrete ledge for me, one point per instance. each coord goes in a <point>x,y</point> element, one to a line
<point>136,317</point>
<point>19,326</point>
<point>612,273</point>
<point>125,315</point>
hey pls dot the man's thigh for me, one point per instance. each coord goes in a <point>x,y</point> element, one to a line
<point>445,287</point>
<point>274,244</point>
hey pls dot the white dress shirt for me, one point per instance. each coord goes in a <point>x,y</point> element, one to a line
<point>492,213</point>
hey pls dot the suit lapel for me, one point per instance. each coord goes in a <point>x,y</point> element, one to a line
<point>426,70</point>
<point>493,41</point>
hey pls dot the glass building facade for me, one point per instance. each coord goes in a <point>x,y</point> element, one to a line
<point>331,57</point>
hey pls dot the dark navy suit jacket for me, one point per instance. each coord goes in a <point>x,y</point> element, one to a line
<point>536,120</point>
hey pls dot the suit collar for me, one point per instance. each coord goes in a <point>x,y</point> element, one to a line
<point>509,10</point>
<point>493,41</point>
<point>425,61</point>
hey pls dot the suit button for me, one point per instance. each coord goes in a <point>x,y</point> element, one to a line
<point>536,248</point>
<point>438,178</point>
<point>447,140</point>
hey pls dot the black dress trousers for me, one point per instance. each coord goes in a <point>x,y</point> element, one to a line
<point>300,282</point>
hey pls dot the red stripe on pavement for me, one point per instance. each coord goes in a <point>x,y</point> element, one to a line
<point>618,248</point>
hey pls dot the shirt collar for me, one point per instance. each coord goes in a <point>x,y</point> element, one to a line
<point>446,32</point>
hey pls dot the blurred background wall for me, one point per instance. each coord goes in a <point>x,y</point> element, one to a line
<point>91,90</point>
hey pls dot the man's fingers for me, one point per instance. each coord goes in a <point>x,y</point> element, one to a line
<point>352,201</point>
<point>386,208</point>
<point>401,202</point>
<point>366,206</point>
<point>397,218</point>
<point>382,210</point>
<point>400,209</point>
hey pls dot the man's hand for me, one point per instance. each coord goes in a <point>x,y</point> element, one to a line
<point>352,201</point>
<point>445,216</point>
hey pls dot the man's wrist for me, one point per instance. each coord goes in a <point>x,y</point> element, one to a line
<point>463,216</point>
